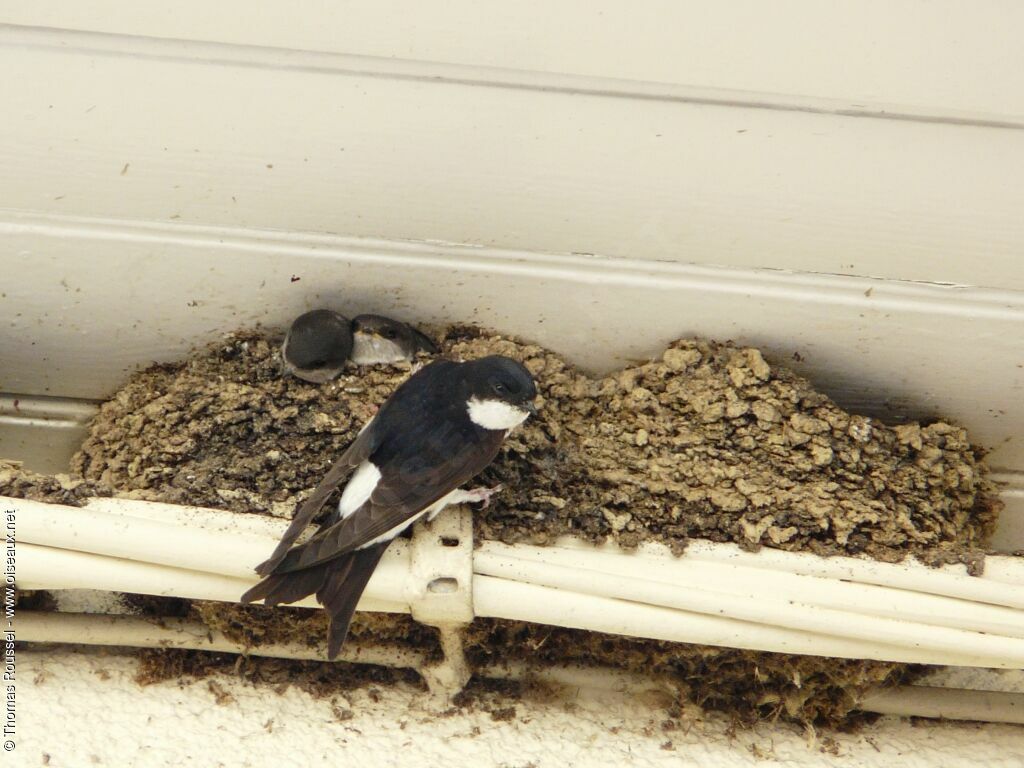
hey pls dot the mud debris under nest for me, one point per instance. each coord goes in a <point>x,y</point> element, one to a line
<point>708,441</point>
<point>749,685</point>
<point>317,678</point>
<point>252,625</point>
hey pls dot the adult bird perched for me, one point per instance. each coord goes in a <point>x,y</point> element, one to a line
<point>317,345</point>
<point>377,339</point>
<point>437,431</point>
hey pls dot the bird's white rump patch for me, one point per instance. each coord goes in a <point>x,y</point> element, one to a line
<point>458,496</point>
<point>359,488</point>
<point>390,534</point>
<point>495,414</point>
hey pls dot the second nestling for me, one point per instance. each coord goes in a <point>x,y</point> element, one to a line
<point>321,341</point>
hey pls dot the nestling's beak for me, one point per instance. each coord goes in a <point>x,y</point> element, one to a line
<point>530,408</point>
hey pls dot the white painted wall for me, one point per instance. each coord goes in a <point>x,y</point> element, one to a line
<point>837,180</point>
<point>944,56</point>
<point>394,726</point>
<point>627,138</point>
<point>843,181</point>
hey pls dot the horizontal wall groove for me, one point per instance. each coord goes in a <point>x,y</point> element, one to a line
<point>1009,481</point>
<point>941,299</point>
<point>69,42</point>
<point>15,405</point>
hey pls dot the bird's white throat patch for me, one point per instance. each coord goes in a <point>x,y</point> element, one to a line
<point>369,349</point>
<point>494,414</point>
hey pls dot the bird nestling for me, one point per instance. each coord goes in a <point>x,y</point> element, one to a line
<point>317,346</point>
<point>438,430</point>
<point>377,339</point>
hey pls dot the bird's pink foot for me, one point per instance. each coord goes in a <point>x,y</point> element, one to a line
<point>477,495</point>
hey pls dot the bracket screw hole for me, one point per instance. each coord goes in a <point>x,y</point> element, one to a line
<point>443,586</point>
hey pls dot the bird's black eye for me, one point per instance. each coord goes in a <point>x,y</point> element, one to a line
<point>389,333</point>
<point>500,388</point>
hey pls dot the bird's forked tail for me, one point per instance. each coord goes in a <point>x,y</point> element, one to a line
<point>338,585</point>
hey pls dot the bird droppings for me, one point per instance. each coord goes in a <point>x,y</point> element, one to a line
<point>491,696</point>
<point>708,441</point>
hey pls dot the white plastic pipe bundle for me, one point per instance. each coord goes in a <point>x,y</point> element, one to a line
<point>714,594</point>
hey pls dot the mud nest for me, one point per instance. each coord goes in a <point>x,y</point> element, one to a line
<point>708,441</point>
<point>20,483</point>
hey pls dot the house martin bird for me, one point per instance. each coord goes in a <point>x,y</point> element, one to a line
<point>377,339</point>
<point>437,431</point>
<point>317,346</point>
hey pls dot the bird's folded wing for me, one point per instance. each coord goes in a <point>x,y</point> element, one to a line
<point>423,342</point>
<point>398,497</point>
<point>354,455</point>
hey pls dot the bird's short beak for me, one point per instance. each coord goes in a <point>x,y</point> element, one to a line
<point>530,408</point>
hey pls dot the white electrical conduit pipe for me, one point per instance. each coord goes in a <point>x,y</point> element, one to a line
<point>51,568</point>
<point>951,581</point>
<point>130,631</point>
<point>997,585</point>
<point>947,703</point>
<point>908,575</point>
<point>504,599</point>
<point>86,529</point>
<point>133,632</point>
<point>758,584</point>
<point>40,567</point>
<point>217,520</point>
<point>903,701</point>
<point>206,549</point>
<point>761,609</point>
<point>204,540</point>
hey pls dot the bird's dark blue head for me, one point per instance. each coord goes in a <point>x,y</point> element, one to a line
<point>317,345</point>
<point>500,392</point>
